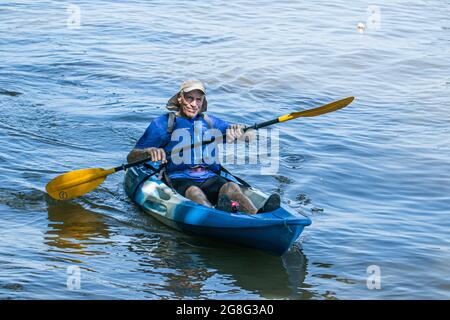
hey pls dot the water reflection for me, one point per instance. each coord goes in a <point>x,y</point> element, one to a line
<point>202,268</point>
<point>173,265</point>
<point>72,228</point>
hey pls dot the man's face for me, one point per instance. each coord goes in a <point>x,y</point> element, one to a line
<point>191,103</point>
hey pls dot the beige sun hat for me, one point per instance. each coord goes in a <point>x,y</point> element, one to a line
<point>190,85</point>
<point>187,86</point>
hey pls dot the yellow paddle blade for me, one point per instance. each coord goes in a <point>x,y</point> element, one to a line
<point>76,183</point>
<point>318,111</point>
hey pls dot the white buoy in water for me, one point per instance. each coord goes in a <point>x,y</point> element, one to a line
<point>361,27</point>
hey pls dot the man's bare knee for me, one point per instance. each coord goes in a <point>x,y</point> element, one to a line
<point>196,194</point>
<point>194,191</point>
<point>229,187</point>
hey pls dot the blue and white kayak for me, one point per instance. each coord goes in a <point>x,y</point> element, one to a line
<point>273,232</point>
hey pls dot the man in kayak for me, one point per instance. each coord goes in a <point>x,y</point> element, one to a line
<point>196,178</point>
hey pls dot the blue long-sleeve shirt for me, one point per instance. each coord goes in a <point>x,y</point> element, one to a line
<point>185,132</point>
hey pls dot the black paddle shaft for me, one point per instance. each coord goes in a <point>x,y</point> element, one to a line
<point>256,126</point>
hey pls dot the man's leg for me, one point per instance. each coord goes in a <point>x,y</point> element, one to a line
<point>197,195</point>
<point>189,189</point>
<point>235,193</point>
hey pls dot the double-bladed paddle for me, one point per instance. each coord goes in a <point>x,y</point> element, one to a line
<point>76,183</point>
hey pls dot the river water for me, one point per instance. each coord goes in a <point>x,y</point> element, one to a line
<point>80,82</point>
